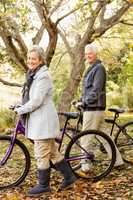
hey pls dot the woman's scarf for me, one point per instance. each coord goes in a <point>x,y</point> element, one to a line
<point>26,88</point>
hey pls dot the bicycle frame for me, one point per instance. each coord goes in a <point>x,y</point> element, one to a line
<point>114,123</point>
<point>63,133</point>
<point>18,129</point>
<point>121,128</point>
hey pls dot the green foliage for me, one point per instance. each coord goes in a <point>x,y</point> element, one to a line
<point>6,119</point>
<point>5,59</point>
<point>113,74</point>
<point>112,86</point>
<point>9,67</point>
<point>60,69</point>
<point>114,99</point>
<point>19,11</point>
<point>3,56</point>
<point>119,97</point>
<point>128,96</point>
<point>126,77</point>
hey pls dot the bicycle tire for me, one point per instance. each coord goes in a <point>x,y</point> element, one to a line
<point>14,171</point>
<point>72,150</point>
<point>124,141</point>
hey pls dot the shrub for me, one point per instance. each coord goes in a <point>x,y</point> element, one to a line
<point>6,119</point>
<point>114,99</point>
<point>128,96</point>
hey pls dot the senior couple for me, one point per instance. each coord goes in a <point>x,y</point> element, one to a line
<point>40,118</point>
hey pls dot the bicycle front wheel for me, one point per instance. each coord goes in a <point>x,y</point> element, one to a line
<point>99,154</point>
<point>16,168</point>
<point>124,141</point>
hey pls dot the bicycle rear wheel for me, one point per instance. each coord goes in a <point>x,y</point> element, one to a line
<point>16,168</point>
<point>124,141</point>
<point>101,163</point>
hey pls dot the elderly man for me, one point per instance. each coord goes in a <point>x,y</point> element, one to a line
<point>94,101</point>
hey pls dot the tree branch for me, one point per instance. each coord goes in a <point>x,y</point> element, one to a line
<point>101,16</point>
<point>69,13</point>
<point>69,49</point>
<point>51,28</point>
<point>11,48</point>
<point>10,84</point>
<point>115,18</point>
<point>56,7</point>
<point>56,65</point>
<point>38,35</point>
<point>17,37</point>
<point>90,29</point>
<point>66,15</point>
<point>125,23</point>
<point>108,23</point>
<point>40,9</point>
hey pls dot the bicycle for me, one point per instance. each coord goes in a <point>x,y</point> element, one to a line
<point>15,155</point>
<point>123,136</point>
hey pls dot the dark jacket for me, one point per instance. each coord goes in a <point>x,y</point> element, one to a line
<point>94,87</point>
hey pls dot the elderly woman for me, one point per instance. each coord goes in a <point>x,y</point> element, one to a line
<point>41,122</point>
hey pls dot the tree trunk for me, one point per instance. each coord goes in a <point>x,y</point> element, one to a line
<point>73,83</point>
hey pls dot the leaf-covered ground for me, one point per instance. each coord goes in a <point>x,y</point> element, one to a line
<point>118,185</point>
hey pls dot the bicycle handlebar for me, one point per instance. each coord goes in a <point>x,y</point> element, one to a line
<point>78,105</point>
<point>12,107</point>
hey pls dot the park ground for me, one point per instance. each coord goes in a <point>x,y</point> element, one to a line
<point>118,185</point>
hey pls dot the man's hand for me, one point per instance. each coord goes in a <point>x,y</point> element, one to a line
<point>77,104</point>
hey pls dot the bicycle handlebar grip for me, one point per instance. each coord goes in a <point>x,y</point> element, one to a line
<point>73,103</point>
<point>12,107</point>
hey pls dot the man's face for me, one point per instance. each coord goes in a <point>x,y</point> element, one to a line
<point>90,56</point>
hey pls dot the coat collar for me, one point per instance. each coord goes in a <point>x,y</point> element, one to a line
<point>92,66</point>
<point>41,70</point>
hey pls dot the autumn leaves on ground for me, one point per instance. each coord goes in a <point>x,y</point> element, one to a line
<point>118,185</point>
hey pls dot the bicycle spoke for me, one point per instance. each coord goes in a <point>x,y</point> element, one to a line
<point>99,162</point>
<point>16,167</point>
<point>125,143</point>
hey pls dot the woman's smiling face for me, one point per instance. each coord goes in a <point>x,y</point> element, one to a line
<point>33,60</point>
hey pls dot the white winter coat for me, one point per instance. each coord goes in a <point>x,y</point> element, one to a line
<point>42,121</point>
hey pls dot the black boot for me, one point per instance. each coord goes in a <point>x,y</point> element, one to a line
<point>69,177</point>
<point>43,186</point>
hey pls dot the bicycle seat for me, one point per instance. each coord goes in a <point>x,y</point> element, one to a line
<point>117,110</point>
<point>109,121</point>
<point>70,115</point>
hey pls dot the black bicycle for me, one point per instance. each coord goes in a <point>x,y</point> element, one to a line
<point>123,136</point>
<point>15,158</point>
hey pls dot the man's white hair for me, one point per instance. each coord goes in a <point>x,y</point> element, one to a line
<point>91,47</point>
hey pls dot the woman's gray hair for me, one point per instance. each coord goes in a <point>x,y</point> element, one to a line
<point>91,47</point>
<point>39,51</point>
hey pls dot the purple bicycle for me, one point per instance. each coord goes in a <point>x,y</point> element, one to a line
<point>15,158</point>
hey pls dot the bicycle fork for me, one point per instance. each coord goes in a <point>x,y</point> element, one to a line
<point>8,151</point>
